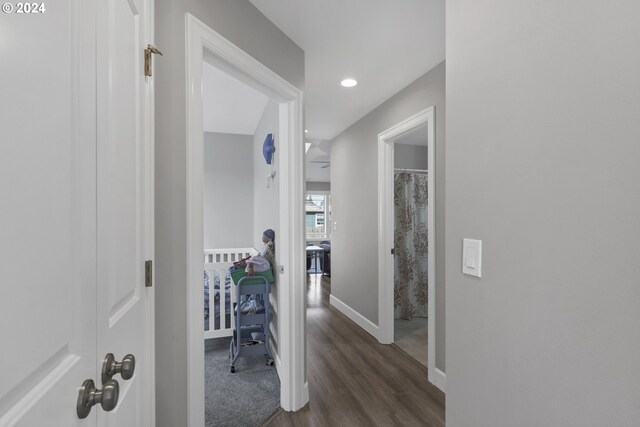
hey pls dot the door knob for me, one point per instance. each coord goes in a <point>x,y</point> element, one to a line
<point>89,395</point>
<point>111,367</point>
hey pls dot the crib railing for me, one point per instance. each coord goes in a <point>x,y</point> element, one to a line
<point>216,266</point>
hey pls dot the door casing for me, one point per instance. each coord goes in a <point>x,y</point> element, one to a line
<point>386,229</point>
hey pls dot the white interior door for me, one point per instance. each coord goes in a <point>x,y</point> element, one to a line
<point>124,205</point>
<point>76,210</point>
<point>47,214</point>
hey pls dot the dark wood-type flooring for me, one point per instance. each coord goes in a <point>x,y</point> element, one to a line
<point>354,380</point>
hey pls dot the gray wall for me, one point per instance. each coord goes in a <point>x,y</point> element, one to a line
<point>407,156</point>
<point>318,186</point>
<point>266,201</point>
<point>228,191</point>
<point>542,165</point>
<point>354,196</point>
<point>241,23</point>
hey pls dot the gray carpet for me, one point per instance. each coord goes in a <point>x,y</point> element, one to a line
<point>244,399</point>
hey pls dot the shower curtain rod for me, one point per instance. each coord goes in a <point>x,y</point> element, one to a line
<point>411,170</point>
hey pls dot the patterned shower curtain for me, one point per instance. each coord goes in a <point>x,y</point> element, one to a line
<point>411,247</point>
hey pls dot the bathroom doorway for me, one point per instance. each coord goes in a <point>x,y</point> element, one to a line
<point>411,248</point>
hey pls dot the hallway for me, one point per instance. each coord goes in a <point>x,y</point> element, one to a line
<point>354,380</point>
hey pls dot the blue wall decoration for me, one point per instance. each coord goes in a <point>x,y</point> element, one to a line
<point>268,148</point>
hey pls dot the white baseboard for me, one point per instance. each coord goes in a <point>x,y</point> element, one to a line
<point>357,318</point>
<point>438,379</point>
<point>305,392</point>
<point>276,359</point>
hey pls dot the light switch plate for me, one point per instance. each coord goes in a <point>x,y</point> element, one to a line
<point>472,257</point>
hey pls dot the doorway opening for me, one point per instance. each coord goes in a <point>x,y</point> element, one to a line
<point>240,203</point>
<point>407,258</point>
<point>278,207</point>
<point>411,249</point>
<point>318,223</point>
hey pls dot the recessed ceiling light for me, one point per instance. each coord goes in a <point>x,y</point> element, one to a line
<point>348,83</point>
<point>306,131</point>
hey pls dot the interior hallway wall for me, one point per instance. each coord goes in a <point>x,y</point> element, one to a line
<point>241,23</point>
<point>542,165</point>
<point>228,190</point>
<point>354,197</point>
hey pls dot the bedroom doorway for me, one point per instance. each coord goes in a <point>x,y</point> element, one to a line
<point>240,202</point>
<point>281,195</point>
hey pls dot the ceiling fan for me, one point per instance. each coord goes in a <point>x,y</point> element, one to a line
<point>327,164</point>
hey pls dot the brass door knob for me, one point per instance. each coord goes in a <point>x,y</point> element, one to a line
<point>89,396</point>
<point>111,367</point>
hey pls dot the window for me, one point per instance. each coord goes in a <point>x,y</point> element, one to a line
<point>318,218</point>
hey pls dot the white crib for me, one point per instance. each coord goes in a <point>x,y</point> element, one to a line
<point>217,263</point>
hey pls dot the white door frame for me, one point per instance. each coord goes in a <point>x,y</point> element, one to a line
<point>203,42</point>
<point>150,124</point>
<point>386,227</point>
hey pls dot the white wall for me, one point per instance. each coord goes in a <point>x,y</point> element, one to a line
<point>543,99</point>
<point>241,23</point>
<point>354,196</point>
<point>228,191</point>
<point>265,200</point>
<point>318,186</point>
<point>407,156</point>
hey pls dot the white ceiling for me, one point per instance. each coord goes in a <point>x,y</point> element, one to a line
<point>383,44</point>
<point>315,158</point>
<point>230,106</point>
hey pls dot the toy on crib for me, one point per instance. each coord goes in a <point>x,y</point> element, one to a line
<point>264,260</point>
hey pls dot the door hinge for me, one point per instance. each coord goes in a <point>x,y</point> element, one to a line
<point>393,251</point>
<point>148,273</point>
<point>147,58</point>
<point>282,269</point>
